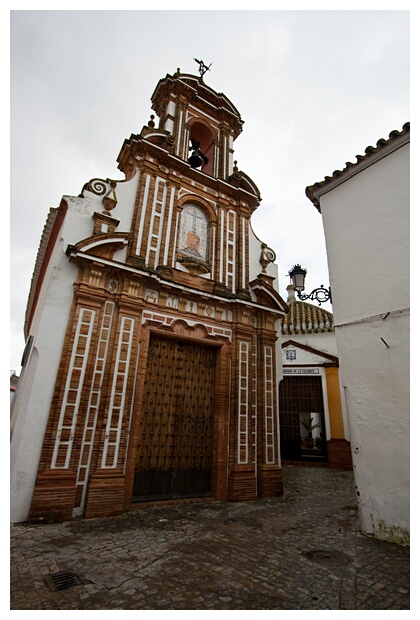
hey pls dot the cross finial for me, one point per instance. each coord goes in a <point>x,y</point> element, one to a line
<point>202,67</point>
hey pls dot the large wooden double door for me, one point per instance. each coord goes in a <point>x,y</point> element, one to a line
<point>176,426</point>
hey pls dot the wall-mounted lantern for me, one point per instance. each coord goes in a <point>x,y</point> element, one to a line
<point>297,276</point>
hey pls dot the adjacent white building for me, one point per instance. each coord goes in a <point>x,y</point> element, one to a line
<point>311,388</point>
<point>365,212</point>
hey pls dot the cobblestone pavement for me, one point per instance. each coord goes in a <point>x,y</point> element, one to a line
<point>301,551</point>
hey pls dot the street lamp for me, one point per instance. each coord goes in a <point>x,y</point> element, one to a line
<point>321,294</point>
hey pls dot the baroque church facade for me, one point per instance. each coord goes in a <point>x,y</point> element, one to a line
<point>153,329</point>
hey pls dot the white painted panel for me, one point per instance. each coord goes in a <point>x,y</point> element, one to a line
<point>73,389</point>
<point>143,214</point>
<point>118,395</point>
<point>243,401</point>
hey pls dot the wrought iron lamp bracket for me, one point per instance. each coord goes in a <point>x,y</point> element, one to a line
<point>321,295</point>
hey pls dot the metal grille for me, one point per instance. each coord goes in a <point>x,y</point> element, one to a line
<point>62,580</point>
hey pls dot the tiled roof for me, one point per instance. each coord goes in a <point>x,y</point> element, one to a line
<point>370,152</point>
<point>39,259</point>
<point>304,318</point>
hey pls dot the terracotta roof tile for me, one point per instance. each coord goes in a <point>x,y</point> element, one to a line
<point>304,318</point>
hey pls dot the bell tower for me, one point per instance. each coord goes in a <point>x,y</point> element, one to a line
<point>189,179</point>
<point>200,120</point>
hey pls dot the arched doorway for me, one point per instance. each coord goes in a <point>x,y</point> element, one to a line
<point>174,458</point>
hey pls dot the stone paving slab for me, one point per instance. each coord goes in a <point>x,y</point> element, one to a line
<point>301,551</point>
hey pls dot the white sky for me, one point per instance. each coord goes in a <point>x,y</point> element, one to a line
<point>315,88</point>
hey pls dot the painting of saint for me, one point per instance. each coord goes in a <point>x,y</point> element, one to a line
<point>193,234</point>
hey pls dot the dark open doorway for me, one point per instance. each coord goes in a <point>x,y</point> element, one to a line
<point>302,420</point>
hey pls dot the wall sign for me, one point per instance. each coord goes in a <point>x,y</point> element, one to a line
<point>301,371</point>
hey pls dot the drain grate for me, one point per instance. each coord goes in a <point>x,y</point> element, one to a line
<point>327,556</point>
<point>62,580</point>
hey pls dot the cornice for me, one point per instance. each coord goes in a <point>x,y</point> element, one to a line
<point>234,186</point>
<point>73,254</point>
<point>194,88</point>
<point>264,290</point>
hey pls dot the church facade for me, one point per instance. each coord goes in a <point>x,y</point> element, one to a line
<point>153,324</point>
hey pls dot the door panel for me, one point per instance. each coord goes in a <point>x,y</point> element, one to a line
<point>176,438</point>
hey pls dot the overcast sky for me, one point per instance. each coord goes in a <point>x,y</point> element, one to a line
<point>315,88</point>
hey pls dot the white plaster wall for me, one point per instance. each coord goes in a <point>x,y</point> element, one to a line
<point>35,393</point>
<point>79,223</point>
<point>33,399</point>
<point>255,267</point>
<point>324,341</point>
<point>366,222</point>
<point>126,195</point>
<point>376,385</point>
<point>366,225</point>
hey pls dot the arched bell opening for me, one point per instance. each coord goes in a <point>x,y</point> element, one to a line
<point>201,148</point>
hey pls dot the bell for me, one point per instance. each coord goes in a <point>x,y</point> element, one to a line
<point>195,160</point>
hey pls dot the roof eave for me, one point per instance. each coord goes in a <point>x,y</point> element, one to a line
<point>396,140</point>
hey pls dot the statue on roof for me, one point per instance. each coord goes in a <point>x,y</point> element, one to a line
<point>202,69</point>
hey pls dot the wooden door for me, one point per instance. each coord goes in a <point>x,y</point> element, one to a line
<point>176,426</point>
<point>300,397</point>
